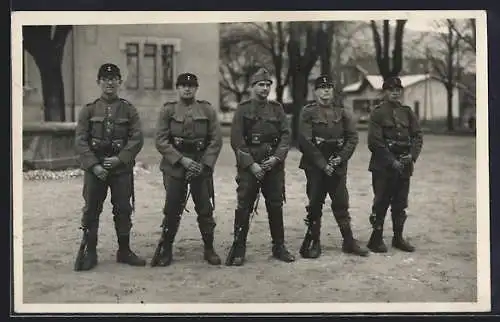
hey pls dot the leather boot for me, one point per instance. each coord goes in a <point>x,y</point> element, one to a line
<point>398,221</point>
<point>207,234</point>
<point>125,255</point>
<point>90,258</point>
<point>241,227</point>
<point>349,244</point>
<point>279,251</point>
<point>315,250</point>
<point>376,243</point>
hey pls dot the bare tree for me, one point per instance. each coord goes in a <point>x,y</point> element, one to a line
<point>46,45</point>
<point>389,66</point>
<point>304,47</point>
<point>237,63</point>
<point>447,63</point>
<point>466,33</point>
<point>272,38</point>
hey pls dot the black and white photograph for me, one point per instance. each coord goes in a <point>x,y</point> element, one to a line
<point>250,162</point>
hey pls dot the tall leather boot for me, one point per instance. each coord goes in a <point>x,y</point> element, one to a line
<point>90,258</point>
<point>376,243</point>
<point>207,234</point>
<point>398,221</point>
<point>169,232</point>
<point>275,217</point>
<point>349,244</point>
<point>124,254</point>
<point>241,227</point>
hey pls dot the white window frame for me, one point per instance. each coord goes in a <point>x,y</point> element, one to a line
<point>159,42</point>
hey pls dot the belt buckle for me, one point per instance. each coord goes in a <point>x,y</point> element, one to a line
<point>256,138</point>
<point>178,141</point>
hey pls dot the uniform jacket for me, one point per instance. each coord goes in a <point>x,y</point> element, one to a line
<point>392,121</point>
<point>329,122</point>
<point>265,120</point>
<point>104,122</point>
<point>188,121</point>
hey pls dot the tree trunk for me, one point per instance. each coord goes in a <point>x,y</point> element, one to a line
<point>299,90</point>
<point>53,90</point>
<point>46,45</point>
<point>449,98</point>
<point>280,89</point>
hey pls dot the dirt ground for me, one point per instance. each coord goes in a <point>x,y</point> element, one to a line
<point>441,224</point>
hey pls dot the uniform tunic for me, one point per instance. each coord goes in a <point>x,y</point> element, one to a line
<point>108,127</point>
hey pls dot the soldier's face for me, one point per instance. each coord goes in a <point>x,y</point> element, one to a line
<point>262,89</point>
<point>109,85</point>
<point>187,91</point>
<point>394,94</point>
<point>324,92</point>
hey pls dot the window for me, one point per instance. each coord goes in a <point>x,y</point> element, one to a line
<point>132,53</point>
<point>151,62</point>
<point>167,62</point>
<point>149,69</point>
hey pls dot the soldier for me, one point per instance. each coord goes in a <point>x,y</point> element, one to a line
<point>108,139</point>
<point>327,138</point>
<point>189,139</point>
<point>395,140</point>
<point>260,141</point>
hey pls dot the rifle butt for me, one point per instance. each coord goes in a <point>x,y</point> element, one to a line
<point>81,254</point>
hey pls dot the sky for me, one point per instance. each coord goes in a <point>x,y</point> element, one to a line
<point>422,24</point>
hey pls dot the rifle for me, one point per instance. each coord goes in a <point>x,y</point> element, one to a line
<point>237,233</point>
<point>82,250</point>
<point>306,243</point>
<point>159,246</point>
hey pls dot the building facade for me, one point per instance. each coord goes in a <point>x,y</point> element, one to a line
<point>425,94</point>
<point>150,57</point>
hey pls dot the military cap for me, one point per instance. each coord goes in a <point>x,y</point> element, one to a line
<point>187,79</point>
<point>392,82</point>
<point>261,75</point>
<point>108,70</point>
<point>323,80</point>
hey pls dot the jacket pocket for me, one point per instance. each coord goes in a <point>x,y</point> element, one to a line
<point>176,125</point>
<point>121,128</point>
<point>97,127</point>
<point>200,126</point>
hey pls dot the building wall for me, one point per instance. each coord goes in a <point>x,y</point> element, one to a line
<point>197,51</point>
<point>435,106</point>
<point>431,108</point>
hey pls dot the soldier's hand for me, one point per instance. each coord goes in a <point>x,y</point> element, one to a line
<point>100,172</point>
<point>329,170</point>
<point>257,171</point>
<point>336,161</point>
<point>269,163</point>
<point>111,162</point>
<point>195,168</point>
<point>186,162</point>
<point>406,159</point>
<point>398,166</point>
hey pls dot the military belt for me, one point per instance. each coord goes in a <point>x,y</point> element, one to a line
<point>107,147</point>
<point>257,139</point>
<point>399,147</point>
<point>189,145</point>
